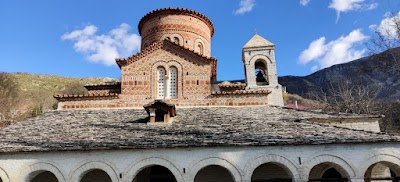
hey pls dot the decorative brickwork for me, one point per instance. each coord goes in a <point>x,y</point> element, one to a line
<point>175,65</point>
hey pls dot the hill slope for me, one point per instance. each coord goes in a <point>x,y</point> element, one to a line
<point>381,72</point>
<point>37,90</point>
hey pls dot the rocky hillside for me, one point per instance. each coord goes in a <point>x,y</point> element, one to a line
<point>379,72</point>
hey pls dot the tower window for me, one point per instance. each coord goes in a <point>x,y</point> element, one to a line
<point>261,73</point>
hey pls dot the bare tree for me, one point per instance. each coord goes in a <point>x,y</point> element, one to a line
<point>387,39</point>
<point>348,97</point>
<point>8,98</point>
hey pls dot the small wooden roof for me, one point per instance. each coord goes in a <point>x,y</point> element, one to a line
<point>161,105</point>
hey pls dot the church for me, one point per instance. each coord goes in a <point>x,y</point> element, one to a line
<point>170,120</point>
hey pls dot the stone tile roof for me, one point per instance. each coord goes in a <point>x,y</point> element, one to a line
<point>159,45</point>
<point>258,41</point>
<point>86,96</point>
<point>192,127</point>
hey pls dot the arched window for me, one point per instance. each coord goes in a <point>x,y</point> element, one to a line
<point>200,48</point>
<point>173,82</point>
<point>261,73</point>
<point>167,38</point>
<point>161,83</point>
<point>176,40</point>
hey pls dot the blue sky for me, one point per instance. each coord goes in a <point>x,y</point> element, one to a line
<point>48,36</point>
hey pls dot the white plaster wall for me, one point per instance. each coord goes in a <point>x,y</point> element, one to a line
<point>185,163</point>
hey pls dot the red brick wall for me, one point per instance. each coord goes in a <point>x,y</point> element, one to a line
<point>190,30</point>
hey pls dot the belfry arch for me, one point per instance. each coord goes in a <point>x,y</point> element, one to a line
<point>261,72</point>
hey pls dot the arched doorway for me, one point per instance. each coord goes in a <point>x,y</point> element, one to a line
<point>328,172</point>
<point>261,73</point>
<point>155,173</point>
<point>42,176</point>
<point>214,173</point>
<point>382,171</point>
<point>271,172</point>
<point>96,175</point>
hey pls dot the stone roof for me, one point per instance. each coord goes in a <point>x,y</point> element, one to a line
<point>160,45</point>
<point>258,41</point>
<point>192,127</point>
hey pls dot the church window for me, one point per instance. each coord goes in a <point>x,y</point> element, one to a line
<point>161,83</point>
<point>173,82</point>
<point>199,48</point>
<point>176,40</point>
<point>167,38</point>
<point>261,73</point>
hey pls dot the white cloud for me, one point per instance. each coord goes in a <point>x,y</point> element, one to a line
<point>304,2</point>
<point>338,51</point>
<point>350,5</point>
<point>389,26</point>
<point>314,68</point>
<point>106,47</point>
<point>245,6</point>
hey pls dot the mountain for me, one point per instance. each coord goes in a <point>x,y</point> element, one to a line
<point>380,72</point>
<point>36,90</point>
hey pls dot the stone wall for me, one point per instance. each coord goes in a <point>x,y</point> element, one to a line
<point>352,161</point>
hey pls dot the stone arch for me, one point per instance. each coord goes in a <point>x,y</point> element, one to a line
<point>37,168</point>
<point>3,176</point>
<point>269,71</point>
<point>215,161</point>
<point>139,166</point>
<point>389,164</point>
<point>290,167</point>
<point>342,166</point>
<point>90,166</point>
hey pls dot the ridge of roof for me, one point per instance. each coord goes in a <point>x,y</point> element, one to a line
<point>156,46</point>
<point>258,41</point>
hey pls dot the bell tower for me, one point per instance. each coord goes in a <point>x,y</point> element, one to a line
<point>258,57</point>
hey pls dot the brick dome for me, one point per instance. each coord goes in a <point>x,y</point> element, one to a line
<point>188,28</point>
